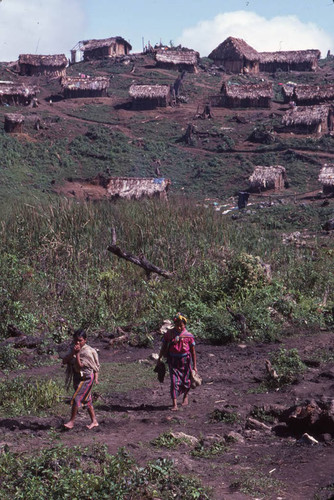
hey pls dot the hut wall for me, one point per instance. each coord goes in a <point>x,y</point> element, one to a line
<point>150,103</point>
<point>177,67</point>
<point>13,127</point>
<point>15,100</point>
<point>113,50</point>
<point>331,120</point>
<point>31,70</point>
<point>273,66</point>
<point>248,102</point>
<point>74,93</point>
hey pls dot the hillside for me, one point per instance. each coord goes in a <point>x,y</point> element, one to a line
<point>256,285</point>
<point>79,138</point>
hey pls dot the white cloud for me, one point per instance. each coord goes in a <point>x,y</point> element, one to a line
<point>39,27</point>
<point>278,33</point>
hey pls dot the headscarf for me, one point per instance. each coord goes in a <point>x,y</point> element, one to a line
<point>179,317</point>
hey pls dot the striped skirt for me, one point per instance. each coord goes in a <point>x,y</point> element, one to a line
<point>179,370</point>
<point>83,390</point>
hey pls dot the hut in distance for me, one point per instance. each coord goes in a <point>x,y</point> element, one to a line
<point>236,56</point>
<point>104,48</point>
<point>264,178</point>
<point>181,59</point>
<point>247,95</point>
<point>84,86</point>
<point>14,123</point>
<point>309,119</point>
<point>42,65</point>
<point>150,96</point>
<point>326,178</point>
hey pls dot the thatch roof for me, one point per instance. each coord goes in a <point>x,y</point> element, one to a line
<point>105,42</point>
<point>288,90</point>
<point>14,117</point>
<point>135,188</point>
<point>305,115</point>
<point>78,83</point>
<point>290,56</point>
<point>318,92</point>
<point>149,91</point>
<point>185,57</point>
<point>19,90</point>
<point>58,60</point>
<point>267,175</point>
<point>233,48</point>
<point>249,90</point>
<point>326,176</point>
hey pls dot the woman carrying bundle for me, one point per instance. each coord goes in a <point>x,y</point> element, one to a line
<point>178,345</point>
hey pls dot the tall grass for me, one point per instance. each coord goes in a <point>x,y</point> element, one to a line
<point>55,265</point>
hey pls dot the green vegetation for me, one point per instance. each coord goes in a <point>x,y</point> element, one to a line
<point>62,473</point>
<point>168,440</point>
<point>55,256</point>
<point>204,450</point>
<point>288,366</point>
<point>22,396</point>
<point>256,484</point>
<point>225,416</point>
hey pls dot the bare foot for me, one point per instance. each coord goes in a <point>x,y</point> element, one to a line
<point>174,408</point>
<point>185,402</point>
<point>69,425</point>
<point>93,424</point>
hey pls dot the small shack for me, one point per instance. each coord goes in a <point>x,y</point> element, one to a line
<point>84,87</point>
<point>14,123</point>
<point>326,178</point>
<point>17,95</point>
<point>310,95</point>
<point>104,48</point>
<point>136,188</point>
<point>180,60</point>
<point>150,96</point>
<point>291,60</point>
<point>236,56</point>
<point>250,95</point>
<point>263,178</point>
<point>40,65</point>
<point>309,119</point>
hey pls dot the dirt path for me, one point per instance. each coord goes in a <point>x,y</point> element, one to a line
<point>231,379</point>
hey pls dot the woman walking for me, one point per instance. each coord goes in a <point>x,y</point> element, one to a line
<point>83,366</point>
<point>179,346</point>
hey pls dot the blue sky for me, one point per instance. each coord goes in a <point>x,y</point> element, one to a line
<point>55,26</point>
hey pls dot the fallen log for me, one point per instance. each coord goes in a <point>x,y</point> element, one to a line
<point>139,260</point>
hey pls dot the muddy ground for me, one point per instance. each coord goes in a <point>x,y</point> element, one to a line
<point>258,463</point>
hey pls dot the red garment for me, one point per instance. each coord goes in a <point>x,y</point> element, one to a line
<point>178,343</point>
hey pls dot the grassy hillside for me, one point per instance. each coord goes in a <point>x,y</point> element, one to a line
<point>81,137</point>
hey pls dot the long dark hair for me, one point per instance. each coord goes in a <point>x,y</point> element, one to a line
<point>79,334</point>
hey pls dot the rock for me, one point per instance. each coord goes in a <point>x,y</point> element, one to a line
<point>181,435</point>
<point>235,436</point>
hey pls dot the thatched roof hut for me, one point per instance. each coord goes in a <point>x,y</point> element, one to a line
<point>136,188</point>
<point>292,60</point>
<point>107,47</point>
<point>32,64</point>
<point>247,95</point>
<point>15,95</point>
<point>85,87</point>
<point>273,177</point>
<point>326,177</point>
<point>181,59</point>
<point>308,95</point>
<point>309,119</point>
<point>14,123</point>
<point>236,56</point>
<point>150,96</point>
